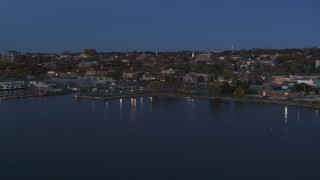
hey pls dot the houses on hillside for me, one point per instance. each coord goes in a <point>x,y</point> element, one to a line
<point>185,68</point>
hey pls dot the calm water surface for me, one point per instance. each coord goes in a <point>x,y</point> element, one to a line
<point>156,138</point>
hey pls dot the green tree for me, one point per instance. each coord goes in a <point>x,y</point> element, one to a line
<point>215,89</point>
<point>239,92</point>
<point>155,86</point>
<point>226,88</point>
<point>185,67</point>
<point>135,76</point>
<point>4,64</point>
<point>222,65</point>
<point>227,74</point>
<point>302,88</point>
<point>116,75</point>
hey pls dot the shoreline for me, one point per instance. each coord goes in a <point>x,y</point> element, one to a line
<point>27,95</point>
<point>293,102</point>
<point>287,102</point>
<point>298,103</point>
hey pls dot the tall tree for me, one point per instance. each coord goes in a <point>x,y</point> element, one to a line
<point>215,89</point>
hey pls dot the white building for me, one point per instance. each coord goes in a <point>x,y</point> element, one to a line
<point>305,81</point>
<point>11,56</point>
<point>317,63</point>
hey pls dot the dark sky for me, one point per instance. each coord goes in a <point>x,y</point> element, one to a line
<point>163,25</point>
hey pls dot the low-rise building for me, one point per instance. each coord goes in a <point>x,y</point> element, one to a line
<point>205,57</point>
<point>128,75</point>
<point>281,79</point>
<point>279,93</point>
<point>86,66</point>
<point>190,79</point>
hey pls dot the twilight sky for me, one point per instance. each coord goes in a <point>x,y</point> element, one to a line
<point>163,25</point>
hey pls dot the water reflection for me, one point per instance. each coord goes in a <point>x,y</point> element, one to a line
<point>133,114</point>
<point>141,102</point>
<point>215,105</point>
<point>150,101</point>
<point>286,123</point>
<point>92,107</point>
<point>92,110</point>
<point>239,106</point>
<point>107,109</point>
<point>191,107</point>
<point>317,120</point>
<point>216,110</point>
<point>155,101</point>
<point>286,114</point>
<point>120,100</point>
<point>120,111</point>
<point>210,144</point>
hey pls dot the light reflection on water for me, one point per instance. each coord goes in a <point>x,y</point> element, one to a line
<point>133,117</point>
<point>190,106</point>
<point>197,135</point>
<point>107,110</point>
<point>120,100</point>
<point>317,119</point>
<point>286,123</point>
<point>92,107</point>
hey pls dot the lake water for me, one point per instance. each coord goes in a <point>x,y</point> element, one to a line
<point>156,138</point>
